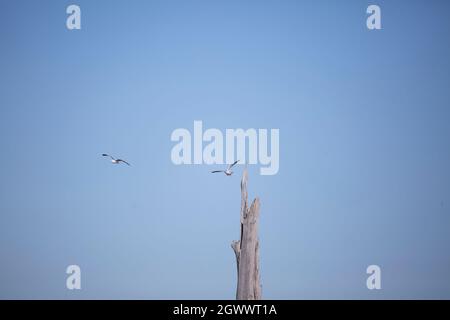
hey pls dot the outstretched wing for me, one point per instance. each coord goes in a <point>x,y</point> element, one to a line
<point>107,155</point>
<point>231,165</point>
<point>215,171</point>
<point>120,160</point>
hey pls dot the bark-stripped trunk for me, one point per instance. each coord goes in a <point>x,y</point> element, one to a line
<point>247,248</point>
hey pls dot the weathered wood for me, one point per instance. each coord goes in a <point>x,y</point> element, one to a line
<point>247,248</point>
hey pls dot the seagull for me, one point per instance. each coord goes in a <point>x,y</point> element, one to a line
<point>115,161</point>
<point>228,172</point>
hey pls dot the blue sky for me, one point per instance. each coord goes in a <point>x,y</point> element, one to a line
<point>364,147</point>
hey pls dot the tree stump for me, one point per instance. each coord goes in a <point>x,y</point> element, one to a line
<point>247,248</point>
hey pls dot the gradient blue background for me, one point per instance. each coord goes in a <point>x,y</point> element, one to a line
<point>364,147</point>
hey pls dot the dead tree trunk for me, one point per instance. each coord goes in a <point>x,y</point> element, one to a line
<point>247,248</point>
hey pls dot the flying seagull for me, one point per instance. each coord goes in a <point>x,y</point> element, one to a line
<point>228,172</point>
<point>115,161</point>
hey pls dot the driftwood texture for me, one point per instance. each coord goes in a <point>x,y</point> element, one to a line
<point>247,248</point>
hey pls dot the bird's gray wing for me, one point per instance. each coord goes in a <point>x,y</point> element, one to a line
<point>215,171</point>
<point>231,165</point>
<point>120,160</point>
<point>107,155</point>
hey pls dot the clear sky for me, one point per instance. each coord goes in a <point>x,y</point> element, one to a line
<point>364,120</point>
